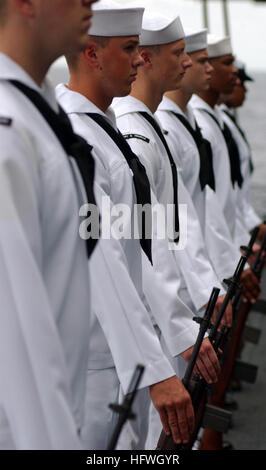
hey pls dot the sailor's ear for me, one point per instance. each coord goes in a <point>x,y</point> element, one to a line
<point>26,7</point>
<point>91,55</point>
<point>146,57</point>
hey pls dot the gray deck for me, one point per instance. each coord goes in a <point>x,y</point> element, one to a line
<point>249,421</point>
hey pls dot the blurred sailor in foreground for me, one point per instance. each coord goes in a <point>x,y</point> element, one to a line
<point>44,290</point>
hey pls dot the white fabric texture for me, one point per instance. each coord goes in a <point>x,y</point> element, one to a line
<point>218,46</point>
<point>45,300</point>
<point>157,29</point>
<point>192,264</point>
<point>248,213</point>
<point>227,194</point>
<point>112,20</point>
<point>218,240</point>
<point>122,333</point>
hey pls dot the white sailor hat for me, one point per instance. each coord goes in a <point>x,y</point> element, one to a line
<point>157,30</point>
<point>218,46</point>
<point>111,20</point>
<point>195,40</point>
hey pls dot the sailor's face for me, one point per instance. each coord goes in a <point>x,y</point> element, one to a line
<point>64,23</point>
<point>198,77</point>
<point>224,77</point>
<point>173,62</point>
<point>119,62</point>
<point>239,95</point>
<point>237,98</point>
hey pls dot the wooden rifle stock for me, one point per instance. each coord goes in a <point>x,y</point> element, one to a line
<point>201,391</point>
<point>212,440</point>
<point>222,337</point>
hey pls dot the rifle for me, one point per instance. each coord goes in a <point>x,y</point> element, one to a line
<point>260,259</point>
<point>200,389</point>
<point>212,440</point>
<point>166,442</point>
<point>124,410</point>
<point>234,288</point>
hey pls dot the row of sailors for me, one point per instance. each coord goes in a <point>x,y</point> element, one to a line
<point>164,140</point>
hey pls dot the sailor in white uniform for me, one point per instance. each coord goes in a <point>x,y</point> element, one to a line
<point>196,271</point>
<point>226,183</point>
<point>194,156</point>
<point>106,69</point>
<point>164,66</point>
<point>230,102</point>
<point>228,178</point>
<point>44,289</point>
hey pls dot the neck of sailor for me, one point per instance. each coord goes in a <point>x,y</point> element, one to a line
<point>91,87</point>
<point>25,50</point>
<point>210,96</point>
<point>180,96</point>
<point>147,90</point>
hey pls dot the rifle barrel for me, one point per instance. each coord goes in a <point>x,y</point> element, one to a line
<point>124,410</point>
<point>204,325</point>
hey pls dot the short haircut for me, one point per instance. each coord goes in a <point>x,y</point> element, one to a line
<point>100,40</point>
<point>152,49</point>
<point>3,11</point>
<point>73,59</point>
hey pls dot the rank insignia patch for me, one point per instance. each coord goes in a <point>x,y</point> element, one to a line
<point>4,121</point>
<point>137,136</point>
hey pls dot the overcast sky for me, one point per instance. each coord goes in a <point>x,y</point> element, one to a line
<point>247,26</point>
<point>247,23</point>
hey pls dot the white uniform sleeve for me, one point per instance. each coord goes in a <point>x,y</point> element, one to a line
<point>251,219</point>
<point>242,235</point>
<point>249,216</point>
<point>161,285</point>
<point>222,251</point>
<point>161,282</point>
<point>192,256</point>
<point>193,259</point>
<point>220,211</point>
<point>34,389</point>
<point>122,315</point>
<point>121,331</point>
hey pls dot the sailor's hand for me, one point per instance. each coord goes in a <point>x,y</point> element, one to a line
<point>262,231</point>
<point>251,286</point>
<point>207,364</point>
<point>174,406</point>
<point>228,314</point>
<point>252,258</point>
